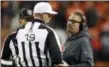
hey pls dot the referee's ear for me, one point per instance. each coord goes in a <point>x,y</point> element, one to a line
<point>22,21</point>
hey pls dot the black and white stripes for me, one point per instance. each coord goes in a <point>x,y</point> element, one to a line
<point>38,47</point>
<point>31,53</point>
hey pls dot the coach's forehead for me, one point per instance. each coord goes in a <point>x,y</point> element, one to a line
<point>74,16</point>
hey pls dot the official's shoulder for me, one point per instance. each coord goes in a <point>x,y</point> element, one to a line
<point>43,26</point>
<point>10,36</point>
<point>13,34</point>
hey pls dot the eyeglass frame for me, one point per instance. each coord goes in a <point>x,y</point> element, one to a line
<point>72,21</point>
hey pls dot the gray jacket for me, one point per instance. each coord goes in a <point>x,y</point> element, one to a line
<point>78,50</point>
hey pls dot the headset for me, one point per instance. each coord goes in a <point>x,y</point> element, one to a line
<point>83,21</point>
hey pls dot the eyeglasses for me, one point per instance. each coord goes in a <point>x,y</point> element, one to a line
<point>70,21</point>
<point>73,21</point>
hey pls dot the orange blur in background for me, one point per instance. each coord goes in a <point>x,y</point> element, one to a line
<point>98,28</point>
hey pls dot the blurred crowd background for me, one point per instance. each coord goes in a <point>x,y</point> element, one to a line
<point>96,12</point>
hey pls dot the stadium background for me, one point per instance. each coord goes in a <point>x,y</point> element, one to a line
<point>97,14</point>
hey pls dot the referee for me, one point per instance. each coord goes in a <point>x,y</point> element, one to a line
<point>24,16</point>
<point>34,44</point>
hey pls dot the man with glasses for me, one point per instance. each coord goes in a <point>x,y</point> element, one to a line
<point>78,51</point>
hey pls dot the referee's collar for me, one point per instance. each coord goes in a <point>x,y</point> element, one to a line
<point>38,20</point>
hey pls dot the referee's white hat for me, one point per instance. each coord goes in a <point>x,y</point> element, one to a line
<point>43,7</point>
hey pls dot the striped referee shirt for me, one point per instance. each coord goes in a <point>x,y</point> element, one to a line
<point>34,44</point>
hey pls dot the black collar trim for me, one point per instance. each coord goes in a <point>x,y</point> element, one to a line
<point>38,20</point>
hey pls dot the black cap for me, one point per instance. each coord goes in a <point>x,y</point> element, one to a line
<point>25,13</point>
